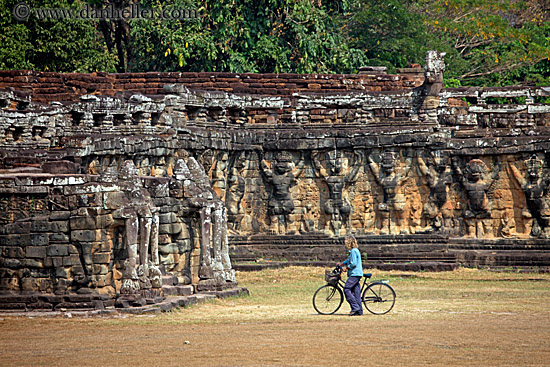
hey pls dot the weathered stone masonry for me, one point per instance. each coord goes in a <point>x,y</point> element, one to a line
<point>292,162</point>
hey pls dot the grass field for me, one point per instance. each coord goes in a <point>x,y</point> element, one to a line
<point>462,318</point>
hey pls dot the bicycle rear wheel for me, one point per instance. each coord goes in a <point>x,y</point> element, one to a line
<point>379,298</point>
<point>327,299</point>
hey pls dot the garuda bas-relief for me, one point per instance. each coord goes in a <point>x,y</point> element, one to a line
<point>236,186</point>
<point>339,172</point>
<point>281,174</point>
<point>536,188</point>
<point>479,185</point>
<point>438,176</point>
<point>391,178</point>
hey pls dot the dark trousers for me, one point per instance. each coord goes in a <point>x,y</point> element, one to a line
<point>352,290</point>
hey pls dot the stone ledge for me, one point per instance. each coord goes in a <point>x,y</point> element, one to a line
<point>409,266</point>
<point>165,305</point>
<point>171,303</point>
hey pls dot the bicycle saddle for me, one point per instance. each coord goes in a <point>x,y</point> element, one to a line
<point>367,275</point>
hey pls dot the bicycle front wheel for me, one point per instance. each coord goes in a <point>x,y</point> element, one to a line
<point>379,298</point>
<point>327,299</point>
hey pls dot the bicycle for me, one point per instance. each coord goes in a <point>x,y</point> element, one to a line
<point>378,297</point>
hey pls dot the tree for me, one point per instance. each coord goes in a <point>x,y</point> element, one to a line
<point>51,44</point>
<point>501,42</point>
<point>393,33</point>
<point>239,36</point>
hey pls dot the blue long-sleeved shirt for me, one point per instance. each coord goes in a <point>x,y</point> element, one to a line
<point>354,263</point>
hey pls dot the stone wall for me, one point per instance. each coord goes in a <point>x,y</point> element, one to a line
<point>51,87</point>
<point>304,155</point>
<point>108,236</point>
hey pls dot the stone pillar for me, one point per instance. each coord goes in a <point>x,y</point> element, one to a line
<point>433,84</point>
<point>154,243</point>
<point>130,283</point>
<point>205,271</point>
<point>145,233</point>
<point>226,261</point>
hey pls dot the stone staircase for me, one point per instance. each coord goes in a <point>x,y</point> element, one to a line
<point>171,287</point>
<point>418,252</point>
<point>174,296</point>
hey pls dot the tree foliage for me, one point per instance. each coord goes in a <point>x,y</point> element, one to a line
<point>240,36</point>
<point>487,42</point>
<point>50,44</point>
<point>499,42</point>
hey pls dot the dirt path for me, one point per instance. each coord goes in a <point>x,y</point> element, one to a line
<point>463,318</point>
<point>488,339</point>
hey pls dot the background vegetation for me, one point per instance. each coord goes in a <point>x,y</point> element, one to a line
<point>488,42</point>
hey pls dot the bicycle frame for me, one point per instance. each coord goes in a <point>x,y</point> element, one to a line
<point>379,300</point>
<point>365,284</point>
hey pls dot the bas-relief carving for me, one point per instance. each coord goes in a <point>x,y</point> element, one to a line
<point>390,178</point>
<point>338,171</point>
<point>437,173</point>
<point>280,173</point>
<point>215,265</point>
<point>535,185</point>
<point>340,194</point>
<point>236,186</point>
<point>478,183</point>
<point>141,227</point>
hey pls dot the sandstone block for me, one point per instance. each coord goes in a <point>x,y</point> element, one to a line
<point>71,260</point>
<point>84,222</point>
<point>13,252</point>
<point>15,240</point>
<point>40,226</point>
<point>41,239</point>
<point>104,221</point>
<point>101,258</point>
<point>57,250</point>
<point>32,263</point>
<point>58,238</point>
<point>86,235</point>
<point>100,269</point>
<point>37,252</point>
<point>167,249</point>
<point>60,215</point>
<point>59,226</point>
<point>61,273</point>
<point>165,229</point>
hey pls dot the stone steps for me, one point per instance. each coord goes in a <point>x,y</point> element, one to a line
<point>178,290</point>
<point>169,280</point>
<point>403,266</point>
<point>31,304</point>
<point>388,251</point>
<point>172,303</point>
<point>52,302</point>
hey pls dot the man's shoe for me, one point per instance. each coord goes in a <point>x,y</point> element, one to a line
<point>355,313</point>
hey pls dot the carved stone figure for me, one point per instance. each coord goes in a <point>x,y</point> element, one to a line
<point>236,186</point>
<point>218,175</point>
<point>141,221</point>
<point>281,175</point>
<point>338,176</point>
<point>215,265</point>
<point>391,179</point>
<point>536,187</point>
<point>479,188</point>
<point>439,178</point>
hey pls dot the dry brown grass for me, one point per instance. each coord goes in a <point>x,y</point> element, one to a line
<point>463,318</point>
